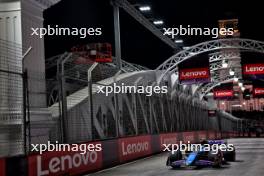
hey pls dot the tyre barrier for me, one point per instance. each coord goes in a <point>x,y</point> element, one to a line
<point>114,152</point>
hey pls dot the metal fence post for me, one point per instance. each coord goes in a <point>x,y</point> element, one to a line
<point>24,78</point>
<point>90,94</point>
<point>117,107</point>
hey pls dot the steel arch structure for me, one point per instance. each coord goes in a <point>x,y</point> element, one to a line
<point>221,55</point>
<point>235,43</point>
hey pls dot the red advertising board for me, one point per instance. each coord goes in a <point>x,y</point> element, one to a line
<point>223,93</point>
<point>170,138</point>
<point>64,162</point>
<point>218,135</point>
<point>2,167</point>
<point>134,147</point>
<point>258,91</point>
<point>93,52</point>
<point>194,73</point>
<point>211,135</point>
<point>202,135</point>
<point>253,69</point>
<point>231,134</point>
<point>188,136</point>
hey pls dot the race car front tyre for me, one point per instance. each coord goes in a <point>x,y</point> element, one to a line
<point>216,158</point>
<point>230,156</point>
<point>174,157</point>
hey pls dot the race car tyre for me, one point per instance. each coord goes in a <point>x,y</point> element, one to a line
<point>216,158</point>
<point>174,157</point>
<point>230,156</point>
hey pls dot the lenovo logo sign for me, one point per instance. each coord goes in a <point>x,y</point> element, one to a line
<point>195,73</point>
<point>253,69</point>
<point>223,93</point>
<point>60,163</point>
<point>259,91</point>
<point>134,147</point>
<point>171,138</point>
<point>188,137</point>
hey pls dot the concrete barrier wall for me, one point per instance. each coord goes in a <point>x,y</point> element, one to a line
<point>2,167</point>
<point>114,152</point>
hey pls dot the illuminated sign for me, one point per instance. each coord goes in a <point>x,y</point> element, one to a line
<point>194,75</point>
<point>95,52</point>
<point>223,93</point>
<point>258,92</point>
<point>250,69</point>
<point>253,71</point>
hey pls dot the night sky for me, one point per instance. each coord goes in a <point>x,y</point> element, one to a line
<point>138,44</point>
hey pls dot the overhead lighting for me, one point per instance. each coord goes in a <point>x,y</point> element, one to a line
<point>158,22</point>
<point>243,88</point>
<point>144,8</point>
<point>178,41</point>
<point>237,105</point>
<point>186,47</point>
<point>231,72</point>
<point>240,84</point>
<point>224,64</point>
<point>235,79</point>
<point>244,103</point>
<point>223,103</point>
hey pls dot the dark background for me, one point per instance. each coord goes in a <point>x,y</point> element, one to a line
<point>138,44</point>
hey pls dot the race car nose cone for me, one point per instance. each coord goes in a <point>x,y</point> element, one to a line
<point>190,158</point>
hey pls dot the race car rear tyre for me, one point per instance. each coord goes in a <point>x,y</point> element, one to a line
<point>174,157</point>
<point>230,156</point>
<point>216,158</point>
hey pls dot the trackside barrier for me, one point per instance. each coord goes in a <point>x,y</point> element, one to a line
<point>202,135</point>
<point>134,147</point>
<point>114,152</point>
<point>253,135</point>
<point>62,163</point>
<point>211,135</point>
<point>189,136</point>
<point>2,167</point>
<point>169,138</point>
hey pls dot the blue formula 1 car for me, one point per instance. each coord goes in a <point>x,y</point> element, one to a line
<point>200,158</point>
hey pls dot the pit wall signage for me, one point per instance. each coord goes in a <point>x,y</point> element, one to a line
<point>2,167</point>
<point>211,135</point>
<point>223,93</point>
<point>134,147</point>
<point>63,163</point>
<point>194,75</point>
<point>202,135</point>
<point>258,91</point>
<point>253,71</point>
<point>170,138</point>
<point>188,136</point>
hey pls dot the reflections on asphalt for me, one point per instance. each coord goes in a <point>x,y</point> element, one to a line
<point>250,162</point>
